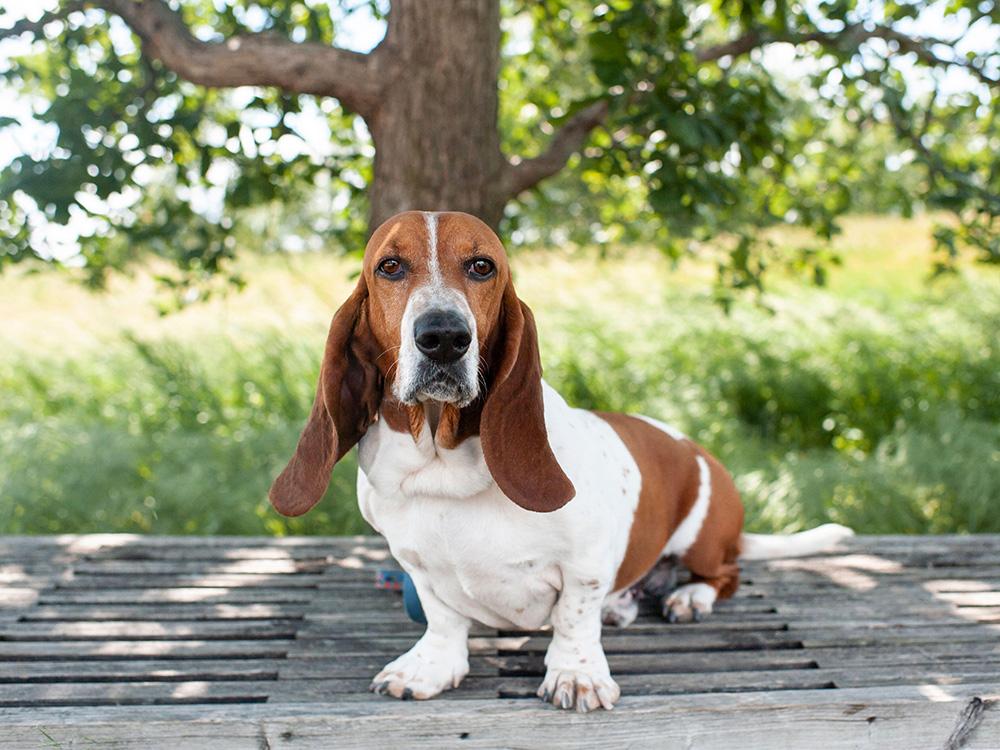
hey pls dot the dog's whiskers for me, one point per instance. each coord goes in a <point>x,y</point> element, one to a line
<point>386,352</point>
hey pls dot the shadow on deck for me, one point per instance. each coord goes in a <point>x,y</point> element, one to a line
<point>126,641</point>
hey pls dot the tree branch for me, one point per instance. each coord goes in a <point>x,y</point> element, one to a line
<point>257,59</point>
<point>524,175</point>
<point>851,37</point>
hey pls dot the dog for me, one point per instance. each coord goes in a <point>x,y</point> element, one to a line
<point>505,505</point>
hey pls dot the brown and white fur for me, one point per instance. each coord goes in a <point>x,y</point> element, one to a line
<point>506,505</point>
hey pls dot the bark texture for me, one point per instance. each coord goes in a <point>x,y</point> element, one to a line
<point>436,141</point>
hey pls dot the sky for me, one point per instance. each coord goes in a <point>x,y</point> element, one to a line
<point>361,32</point>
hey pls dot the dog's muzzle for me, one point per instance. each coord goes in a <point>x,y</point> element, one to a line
<point>444,338</point>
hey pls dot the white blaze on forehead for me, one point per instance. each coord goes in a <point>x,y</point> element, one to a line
<point>432,246</point>
<point>434,294</point>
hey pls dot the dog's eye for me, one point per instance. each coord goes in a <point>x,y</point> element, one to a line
<point>480,269</point>
<point>390,268</point>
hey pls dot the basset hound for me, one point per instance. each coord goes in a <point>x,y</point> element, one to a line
<point>506,506</point>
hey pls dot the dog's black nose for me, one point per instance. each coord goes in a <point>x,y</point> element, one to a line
<point>442,335</point>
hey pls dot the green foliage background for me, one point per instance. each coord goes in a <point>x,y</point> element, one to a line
<point>692,151</point>
<point>875,404</point>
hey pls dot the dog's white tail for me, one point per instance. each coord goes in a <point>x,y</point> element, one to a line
<point>768,546</point>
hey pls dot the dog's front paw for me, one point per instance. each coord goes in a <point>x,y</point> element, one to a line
<point>579,689</point>
<point>421,673</point>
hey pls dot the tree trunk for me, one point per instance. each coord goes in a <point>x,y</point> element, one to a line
<point>437,145</point>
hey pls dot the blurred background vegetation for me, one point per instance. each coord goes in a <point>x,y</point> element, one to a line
<point>775,224</point>
<point>874,402</point>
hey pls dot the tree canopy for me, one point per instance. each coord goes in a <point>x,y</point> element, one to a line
<point>187,129</point>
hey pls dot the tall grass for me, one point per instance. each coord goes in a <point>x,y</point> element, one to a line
<point>878,409</point>
<point>163,437</point>
<point>887,420</point>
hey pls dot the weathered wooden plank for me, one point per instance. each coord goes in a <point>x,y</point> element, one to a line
<point>187,604</point>
<point>297,691</point>
<point>707,635</point>
<point>857,660</point>
<point>16,584</point>
<point>871,554</point>
<point>758,578</point>
<point>515,652</point>
<point>910,717</point>
<point>133,693</point>
<point>170,612</point>
<point>199,567</point>
<point>691,640</point>
<point>147,631</point>
<point>340,666</point>
<point>356,688</point>
<point>186,669</point>
<point>733,682</point>
<point>143,649</point>
<point>986,625</point>
<point>333,552</point>
<point>16,598</point>
<point>868,612</point>
<point>191,580</point>
<point>26,580</point>
<point>31,567</point>
<point>366,607</point>
<point>783,586</point>
<point>816,572</point>
<point>906,541</point>
<point>975,637</point>
<point>87,543</point>
<point>936,647</point>
<point>971,598</point>
<point>682,672</point>
<point>323,624</point>
<point>171,596</point>
<point>949,585</point>
<point>139,670</point>
<point>906,589</point>
<point>91,541</point>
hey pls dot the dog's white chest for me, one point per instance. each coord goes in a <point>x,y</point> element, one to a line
<point>444,517</point>
<point>473,561</point>
<point>481,554</point>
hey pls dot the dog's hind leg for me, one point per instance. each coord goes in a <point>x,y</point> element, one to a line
<point>694,600</point>
<point>620,610</point>
<point>712,559</point>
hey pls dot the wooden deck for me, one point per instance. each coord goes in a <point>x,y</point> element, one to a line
<point>125,641</point>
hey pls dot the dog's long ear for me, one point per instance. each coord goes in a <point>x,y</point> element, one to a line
<point>512,427</point>
<point>347,401</point>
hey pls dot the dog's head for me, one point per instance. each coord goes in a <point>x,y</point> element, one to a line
<point>433,325</point>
